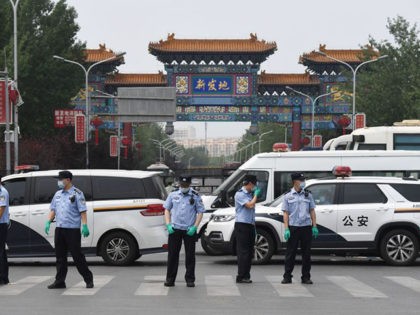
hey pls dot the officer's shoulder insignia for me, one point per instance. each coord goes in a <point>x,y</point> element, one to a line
<point>83,201</point>
<point>77,190</point>
<point>194,192</point>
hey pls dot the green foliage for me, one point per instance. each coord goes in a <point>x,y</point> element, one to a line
<point>389,90</point>
<point>45,29</point>
<point>198,155</point>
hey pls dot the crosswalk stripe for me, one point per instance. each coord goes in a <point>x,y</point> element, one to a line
<point>152,287</point>
<point>22,285</point>
<point>80,288</point>
<point>407,282</point>
<point>288,290</point>
<point>221,285</point>
<point>355,287</point>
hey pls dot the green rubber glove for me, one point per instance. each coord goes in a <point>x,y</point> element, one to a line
<point>257,192</point>
<point>192,230</point>
<point>47,227</point>
<point>85,230</point>
<point>287,234</point>
<point>315,232</point>
<point>170,228</point>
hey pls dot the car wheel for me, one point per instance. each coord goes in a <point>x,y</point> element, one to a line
<point>208,249</point>
<point>263,248</point>
<point>399,247</point>
<point>119,249</point>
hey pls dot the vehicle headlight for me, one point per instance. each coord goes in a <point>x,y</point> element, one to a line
<point>223,218</point>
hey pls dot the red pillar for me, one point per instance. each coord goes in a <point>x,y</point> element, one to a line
<point>296,135</point>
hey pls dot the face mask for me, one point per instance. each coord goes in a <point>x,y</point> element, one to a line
<point>185,190</point>
<point>302,185</point>
<point>60,184</point>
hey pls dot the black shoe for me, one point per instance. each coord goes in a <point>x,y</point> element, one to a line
<point>246,281</point>
<point>307,281</point>
<point>169,284</point>
<point>190,284</point>
<point>89,285</point>
<point>3,282</point>
<point>57,285</point>
<point>286,280</point>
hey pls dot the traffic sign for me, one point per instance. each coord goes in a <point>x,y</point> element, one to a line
<point>360,120</point>
<point>113,146</point>
<point>80,128</point>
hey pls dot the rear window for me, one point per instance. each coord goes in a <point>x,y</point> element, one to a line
<point>362,193</point>
<point>109,188</point>
<point>17,191</point>
<point>409,192</point>
<point>154,187</point>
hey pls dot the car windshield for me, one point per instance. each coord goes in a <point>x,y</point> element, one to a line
<point>227,182</point>
<point>276,202</point>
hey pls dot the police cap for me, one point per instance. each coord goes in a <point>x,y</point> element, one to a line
<point>64,175</point>
<point>250,179</point>
<point>185,179</point>
<point>298,176</point>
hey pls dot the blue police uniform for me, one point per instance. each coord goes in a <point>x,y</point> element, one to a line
<point>67,205</point>
<point>4,222</point>
<point>244,231</point>
<point>298,205</point>
<point>183,208</point>
<point>244,214</point>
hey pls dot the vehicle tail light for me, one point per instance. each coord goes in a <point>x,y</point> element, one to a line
<point>153,210</point>
<point>342,171</point>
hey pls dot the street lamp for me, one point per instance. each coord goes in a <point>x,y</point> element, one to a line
<point>354,71</point>
<point>189,161</point>
<point>86,71</point>
<point>259,139</point>
<point>313,100</point>
<point>15,77</point>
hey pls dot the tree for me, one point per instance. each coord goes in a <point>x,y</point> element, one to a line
<point>389,90</point>
<point>45,29</point>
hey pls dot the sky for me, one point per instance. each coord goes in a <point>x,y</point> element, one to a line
<point>297,26</point>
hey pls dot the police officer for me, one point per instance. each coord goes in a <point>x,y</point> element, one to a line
<point>299,227</point>
<point>245,200</point>
<point>183,213</point>
<point>68,207</point>
<point>4,224</point>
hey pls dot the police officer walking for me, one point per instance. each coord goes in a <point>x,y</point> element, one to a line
<point>245,200</point>
<point>299,228</point>
<point>68,207</point>
<point>183,213</point>
<point>4,224</point>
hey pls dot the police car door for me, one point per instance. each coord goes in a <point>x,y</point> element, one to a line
<point>325,197</point>
<point>362,209</point>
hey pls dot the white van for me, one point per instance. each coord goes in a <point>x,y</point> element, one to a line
<point>403,135</point>
<point>125,213</point>
<point>273,172</point>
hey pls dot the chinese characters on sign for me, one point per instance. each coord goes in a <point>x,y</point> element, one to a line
<point>209,85</point>
<point>3,104</point>
<point>113,146</point>
<point>65,117</point>
<point>361,220</point>
<point>80,128</point>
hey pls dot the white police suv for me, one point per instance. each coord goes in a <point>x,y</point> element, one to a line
<point>376,216</point>
<point>125,213</point>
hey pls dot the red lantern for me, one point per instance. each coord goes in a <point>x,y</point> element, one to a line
<point>97,122</point>
<point>344,122</point>
<point>305,141</point>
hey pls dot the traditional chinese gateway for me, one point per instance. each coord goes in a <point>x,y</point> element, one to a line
<point>221,80</point>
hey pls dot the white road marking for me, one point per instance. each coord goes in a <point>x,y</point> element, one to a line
<point>152,287</point>
<point>288,290</point>
<point>80,288</point>
<point>407,282</point>
<point>221,285</point>
<point>22,285</point>
<point>355,287</point>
